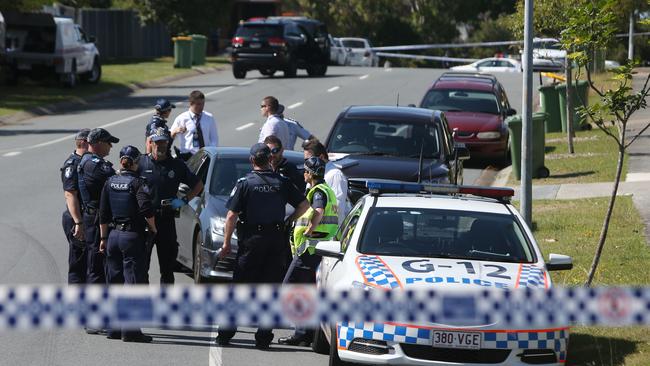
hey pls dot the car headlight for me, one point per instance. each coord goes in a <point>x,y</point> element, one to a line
<point>217,225</point>
<point>488,135</point>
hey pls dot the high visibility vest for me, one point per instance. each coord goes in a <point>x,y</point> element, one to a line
<point>327,227</point>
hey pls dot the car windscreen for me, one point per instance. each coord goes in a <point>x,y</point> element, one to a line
<point>385,137</point>
<point>455,100</point>
<point>225,173</point>
<point>435,233</point>
<point>261,30</point>
<point>349,43</point>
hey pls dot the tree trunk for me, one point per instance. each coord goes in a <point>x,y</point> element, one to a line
<point>608,215</point>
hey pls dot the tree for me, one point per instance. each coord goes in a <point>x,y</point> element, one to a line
<point>592,27</point>
<point>182,18</point>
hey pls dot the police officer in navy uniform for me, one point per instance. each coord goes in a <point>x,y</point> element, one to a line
<point>126,203</point>
<point>163,174</point>
<point>93,172</point>
<point>72,219</point>
<point>281,165</point>
<point>163,109</point>
<point>257,208</point>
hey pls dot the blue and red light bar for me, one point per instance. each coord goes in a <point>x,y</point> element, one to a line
<point>405,187</point>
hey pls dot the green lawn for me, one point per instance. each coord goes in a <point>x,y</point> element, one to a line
<point>594,159</point>
<point>572,227</point>
<point>29,94</point>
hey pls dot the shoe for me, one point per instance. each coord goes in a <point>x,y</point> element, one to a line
<point>93,330</point>
<point>114,335</point>
<point>222,341</point>
<point>295,341</point>
<point>262,345</point>
<point>139,338</point>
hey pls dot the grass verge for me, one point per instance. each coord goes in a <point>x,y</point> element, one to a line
<point>572,227</point>
<point>594,159</point>
<point>29,94</point>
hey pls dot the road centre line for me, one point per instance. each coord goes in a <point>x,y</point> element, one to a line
<point>388,69</point>
<point>243,127</point>
<point>218,91</point>
<point>295,105</point>
<point>247,82</point>
<point>215,356</point>
<point>13,153</point>
<point>364,77</point>
<point>334,88</point>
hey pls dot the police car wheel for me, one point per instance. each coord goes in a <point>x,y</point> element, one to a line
<point>334,352</point>
<point>196,267</point>
<point>238,71</point>
<point>319,344</point>
<point>95,73</point>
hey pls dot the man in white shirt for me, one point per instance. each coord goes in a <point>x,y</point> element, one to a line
<point>295,130</point>
<point>190,138</point>
<point>274,124</point>
<point>334,177</point>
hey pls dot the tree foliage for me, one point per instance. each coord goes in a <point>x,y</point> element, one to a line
<point>182,17</point>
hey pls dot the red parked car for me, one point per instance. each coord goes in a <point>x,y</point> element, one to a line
<point>476,107</point>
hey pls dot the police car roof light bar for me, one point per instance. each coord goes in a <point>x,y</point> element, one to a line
<point>501,193</point>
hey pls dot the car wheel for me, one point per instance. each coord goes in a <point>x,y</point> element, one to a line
<point>9,75</point>
<point>70,78</point>
<point>238,71</point>
<point>95,73</point>
<point>196,266</point>
<point>334,352</point>
<point>292,69</point>
<point>267,72</point>
<point>319,344</point>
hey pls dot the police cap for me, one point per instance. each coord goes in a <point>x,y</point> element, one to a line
<point>280,109</point>
<point>164,105</point>
<point>130,152</point>
<point>315,166</point>
<point>101,135</point>
<point>260,150</point>
<point>82,134</point>
<point>158,134</point>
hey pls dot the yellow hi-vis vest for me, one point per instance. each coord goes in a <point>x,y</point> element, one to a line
<point>326,228</point>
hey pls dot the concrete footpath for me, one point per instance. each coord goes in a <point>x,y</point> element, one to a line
<point>637,181</point>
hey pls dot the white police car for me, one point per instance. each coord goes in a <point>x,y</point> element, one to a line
<point>413,236</point>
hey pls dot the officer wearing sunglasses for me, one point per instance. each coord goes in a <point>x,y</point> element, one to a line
<point>281,165</point>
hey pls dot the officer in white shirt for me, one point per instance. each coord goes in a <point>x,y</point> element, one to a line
<point>295,130</point>
<point>189,137</point>
<point>334,177</point>
<point>274,124</point>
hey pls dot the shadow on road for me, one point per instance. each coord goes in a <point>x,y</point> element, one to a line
<point>36,132</point>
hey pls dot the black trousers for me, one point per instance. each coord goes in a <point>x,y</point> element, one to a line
<point>305,272</point>
<point>77,256</point>
<point>260,259</point>
<point>96,261</point>
<point>166,248</point>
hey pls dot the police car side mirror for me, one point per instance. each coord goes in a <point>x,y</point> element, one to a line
<point>183,189</point>
<point>330,248</point>
<point>559,262</point>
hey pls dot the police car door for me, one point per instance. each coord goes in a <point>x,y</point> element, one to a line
<point>190,214</point>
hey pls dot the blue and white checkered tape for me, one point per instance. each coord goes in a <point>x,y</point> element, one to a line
<point>50,306</point>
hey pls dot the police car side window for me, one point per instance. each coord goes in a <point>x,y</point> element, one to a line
<point>202,172</point>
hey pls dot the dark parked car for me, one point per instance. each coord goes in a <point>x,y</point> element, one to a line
<point>395,143</point>
<point>201,223</point>
<point>476,107</point>
<point>285,44</point>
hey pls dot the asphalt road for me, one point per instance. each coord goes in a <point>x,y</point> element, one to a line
<point>33,246</point>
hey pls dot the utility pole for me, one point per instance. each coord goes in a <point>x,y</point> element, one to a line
<point>630,39</point>
<point>526,118</point>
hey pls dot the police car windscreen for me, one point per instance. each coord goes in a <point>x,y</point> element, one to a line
<point>225,174</point>
<point>349,43</point>
<point>444,234</point>
<point>259,30</point>
<point>453,100</point>
<point>385,137</point>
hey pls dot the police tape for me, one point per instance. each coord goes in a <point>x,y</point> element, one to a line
<point>413,47</point>
<point>26,307</point>
<point>425,57</point>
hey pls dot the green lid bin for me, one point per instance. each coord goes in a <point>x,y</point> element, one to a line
<point>539,145</point>
<point>182,52</point>
<point>199,47</point>
<point>550,104</point>
<point>580,95</point>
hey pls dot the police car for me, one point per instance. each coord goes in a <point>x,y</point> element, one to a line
<point>442,237</point>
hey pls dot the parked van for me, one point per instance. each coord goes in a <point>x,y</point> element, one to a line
<point>39,45</point>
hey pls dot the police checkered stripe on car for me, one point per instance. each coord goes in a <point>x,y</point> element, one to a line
<point>376,272</point>
<point>52,307</point>
<point>555,339</point>
<point>531,276</point>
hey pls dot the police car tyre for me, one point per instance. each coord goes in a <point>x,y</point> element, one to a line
<point>317,70</point>
<point>319,344</point>
<point>70,78</point>
<point>94,74</point>
<point>292,69</point>
<point>196,267</point>
<point>238,71</point>
<point>334,352</point>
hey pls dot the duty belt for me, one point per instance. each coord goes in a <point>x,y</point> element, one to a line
<point>263,227</point>
<point>125,226</point>
<point>90,210</point>
<point>166,208</point>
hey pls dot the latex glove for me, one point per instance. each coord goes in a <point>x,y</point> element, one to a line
<point>178,203</point>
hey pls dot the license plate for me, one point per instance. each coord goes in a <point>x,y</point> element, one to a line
<point>449,339</point>
<point>255,45</point>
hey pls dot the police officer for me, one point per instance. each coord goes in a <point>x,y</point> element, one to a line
<point>281,165</point>
<point>163,174</point>
<point>320,222</point>
<point>126,203</point>
<point>163,109</point>
<point>295,129</point>
<point>93,172</point>
<point>72,219</point>
<point>258,201</point>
